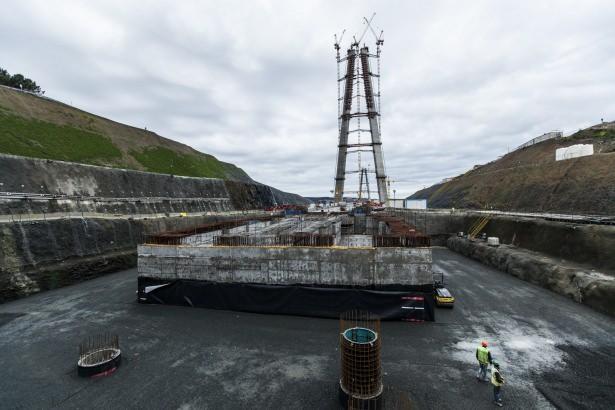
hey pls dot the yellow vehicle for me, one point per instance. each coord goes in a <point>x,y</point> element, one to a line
<point>443,297</point>
<point>183,214</point>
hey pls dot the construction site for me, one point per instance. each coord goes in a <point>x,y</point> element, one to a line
<point>312,266</point>
<point>128,288</point>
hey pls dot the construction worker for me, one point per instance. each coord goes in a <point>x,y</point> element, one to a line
<point>483,355</point>
<point>497,380</point>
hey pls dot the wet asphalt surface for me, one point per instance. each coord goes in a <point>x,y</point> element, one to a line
<point>554,353</point>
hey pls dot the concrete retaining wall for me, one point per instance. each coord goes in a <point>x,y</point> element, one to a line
<point>92,188</point>
<point>25,207</point>
<point>579,243</point>
<point>68,178</point>
<point>288,265</point>
<point>576,282</point>
<point>51,252</point>
<point>42,255</point>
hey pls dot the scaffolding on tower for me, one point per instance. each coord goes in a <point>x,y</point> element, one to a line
<point>358,99</point>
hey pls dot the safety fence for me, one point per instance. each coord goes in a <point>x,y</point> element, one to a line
<point>543,137</point>
<point>295,239</point>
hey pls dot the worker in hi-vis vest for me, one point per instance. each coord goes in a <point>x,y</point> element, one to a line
<point>483,355</point>
<point>497,380</point>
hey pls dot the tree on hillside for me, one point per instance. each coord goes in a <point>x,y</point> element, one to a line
<point>19,81</point>
<point>4,76</point>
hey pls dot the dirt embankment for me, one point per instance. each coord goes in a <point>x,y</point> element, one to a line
<point>531,180</point>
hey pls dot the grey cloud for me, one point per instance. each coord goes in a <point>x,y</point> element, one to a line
<point>254,83</point>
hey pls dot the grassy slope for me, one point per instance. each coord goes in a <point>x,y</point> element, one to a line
<point>32,138</point>
<point>37,127</point>
<point>531,180</point>
<point>160,159</point>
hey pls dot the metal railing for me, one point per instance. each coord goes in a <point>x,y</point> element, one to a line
<point>543,137</point>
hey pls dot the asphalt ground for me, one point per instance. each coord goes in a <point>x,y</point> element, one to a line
<point>554,352</point>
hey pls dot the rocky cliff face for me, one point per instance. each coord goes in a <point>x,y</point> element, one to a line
<point>122,191</point>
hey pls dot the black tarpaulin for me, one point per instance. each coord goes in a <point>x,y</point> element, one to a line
<point>390,304</point>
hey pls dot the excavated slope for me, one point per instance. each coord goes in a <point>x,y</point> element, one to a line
<point>530,179</point>
<point>39,127</point>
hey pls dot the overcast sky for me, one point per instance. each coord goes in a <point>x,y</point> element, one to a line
<point>254,82</point>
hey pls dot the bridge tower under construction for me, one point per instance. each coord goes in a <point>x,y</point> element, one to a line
<point>357,100</point>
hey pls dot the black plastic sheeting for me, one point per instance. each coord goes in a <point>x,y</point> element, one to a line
<point>390,304</point>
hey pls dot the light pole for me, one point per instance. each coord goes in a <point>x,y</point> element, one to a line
<point>394,202</point>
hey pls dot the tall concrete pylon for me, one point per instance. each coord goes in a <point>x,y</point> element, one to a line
<point>358,70</point>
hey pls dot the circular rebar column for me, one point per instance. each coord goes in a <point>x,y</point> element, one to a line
<point>361,371</point>
<point>98,355</point>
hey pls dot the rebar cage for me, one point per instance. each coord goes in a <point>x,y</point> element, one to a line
<point>98,354</point>
<point>360,341</point>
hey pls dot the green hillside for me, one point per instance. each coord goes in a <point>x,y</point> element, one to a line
<point>38,127</point>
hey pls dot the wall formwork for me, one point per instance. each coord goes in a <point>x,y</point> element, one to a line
<point>365,267</point>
